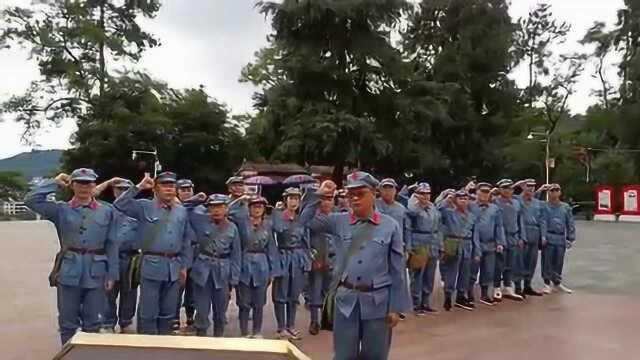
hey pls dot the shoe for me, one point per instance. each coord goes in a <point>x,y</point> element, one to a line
<point>258,336</point>
<point>521,293</point>
<point>418,311</point>
<point>463,304</point>
<point>564,289</point>
<point>314,328</point>
<point>282,334</point>
<point>294,334</point>
<point>248,336</point>
<point>175,325</point>
<point>447,304</point>
<point>471,304</point>
<point>429,310</point>
<point>471,299</point>
<point>497,294</point>
<point>487,301</point>
<point>128,329</point>
<point>402,316</point>
<point>190,321</point>
<point>531,292</point>
<point>511,295</point>
<point>547,289</point>
<point>106,331</point>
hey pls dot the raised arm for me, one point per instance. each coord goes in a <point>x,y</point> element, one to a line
<point>36,200</point>
<point>127,203</point>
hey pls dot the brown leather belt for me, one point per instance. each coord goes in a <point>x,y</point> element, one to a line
<point>360,288</point>
<point>212,255</point>
<point>83,251</point>
<point>256,251</point>
<point>163,254</point>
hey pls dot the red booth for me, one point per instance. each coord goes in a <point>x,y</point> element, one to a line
<point>605,203</point>
<point>630,203</point>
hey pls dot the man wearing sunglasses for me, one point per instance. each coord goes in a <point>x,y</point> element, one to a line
<point>166,238</point>
<point>561,233</point>
<point>369,279</point>
<point>87,263</point>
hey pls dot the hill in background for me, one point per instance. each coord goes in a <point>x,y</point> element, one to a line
<point>37,163</point>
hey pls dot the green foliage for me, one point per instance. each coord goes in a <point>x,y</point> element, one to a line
<point>12,185</point>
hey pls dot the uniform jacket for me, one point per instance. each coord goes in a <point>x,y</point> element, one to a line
<point>292,241</point>
<point>512,220</point>
<point>489,224</point>
<point>560,224</point>
<point>463,226</point>
<point>425,227</point>
<point>535,222</point>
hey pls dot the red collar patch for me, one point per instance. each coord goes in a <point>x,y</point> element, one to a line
<point>76,204</point>
<point>374,219</point>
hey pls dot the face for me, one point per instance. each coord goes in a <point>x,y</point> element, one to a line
<point>83,189</point>
<point>362,200</point>
<point>529,190</point>
<point>185,193</point>
<point>257,210</point>
<point>293,202</point>
<point>555,194</point>
<point>236,189</point>
<point>326,204</point>
<point>217,211</point>
<point>165,191</point>
<point>423,197</point>
<point>117,191</point>
<point>388,193</point>
<point>343,202</point>
<point>461,202</point>
<point>483,195</point>
<point>506,192</point>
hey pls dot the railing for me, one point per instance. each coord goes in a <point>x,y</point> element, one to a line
<point>14,208</point>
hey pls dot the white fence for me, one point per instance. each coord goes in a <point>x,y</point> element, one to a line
<point>14,208</point>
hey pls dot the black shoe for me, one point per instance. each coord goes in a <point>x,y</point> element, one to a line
<point>419,311</point>
<point>463,304</point>
<point>402,316</point>
<point>471,304</point>
<point>189,321</point>
<point>531,292</point>
<point>521,293</point>
<point>429,310</point>
<point>175,325</point>
<point>487,301</point>
<point>447,304</point>
<point>314,328</point>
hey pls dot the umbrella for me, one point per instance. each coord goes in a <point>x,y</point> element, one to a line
<point>299,179</point>
<point>259,180</point>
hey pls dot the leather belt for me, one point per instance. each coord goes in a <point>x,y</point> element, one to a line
<point>215,256</point>
<point>84,251</point>
<point>556,233</point>
<point>422,232</point>
<point>361,288</point>
<point>290,247</point>
<point>255,251</point>
<point>129,252</point>
<point>458,237</point>
<point>163,254</point>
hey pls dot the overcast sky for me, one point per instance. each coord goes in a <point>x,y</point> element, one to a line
<point>209,41</point>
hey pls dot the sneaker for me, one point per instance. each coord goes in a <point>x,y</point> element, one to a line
<point>190,321</point>
<point>248,336</point>
<point>314,328</point>
<point>511,295</point>
<point>128,329</point>
<point>487,301</point>
<point>106,331</point>
<point>402,316</point>
<point>447,304</point>
<point>521,293</point>
<point>429,310</point>
<point>463,304</point>
<point>497,294</point>
<point>471,304</point>
<point>564,289</point>
<point>531,292</point>
<point>258,336</point>
<point>418,311</point>
<point>294,334</point>
<point>282,334</point>
<point>546,289</point>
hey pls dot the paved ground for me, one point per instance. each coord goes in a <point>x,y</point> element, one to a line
<point>598,321</point>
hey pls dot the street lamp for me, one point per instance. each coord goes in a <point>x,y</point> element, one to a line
<point>547,137</point>
<point>156,165</point>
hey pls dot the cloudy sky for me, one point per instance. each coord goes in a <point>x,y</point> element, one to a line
<point>209,41</point>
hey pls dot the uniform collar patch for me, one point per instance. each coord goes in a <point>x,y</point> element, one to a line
<point>374,218</point>
<point>76,204</point>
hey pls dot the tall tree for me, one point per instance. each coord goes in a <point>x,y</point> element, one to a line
<point>77,45</point>
<point>603,42</point>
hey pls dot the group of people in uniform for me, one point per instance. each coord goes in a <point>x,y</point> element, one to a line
<point>362,257</point>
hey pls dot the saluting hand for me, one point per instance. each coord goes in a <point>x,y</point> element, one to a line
<point>108,285</point>
<point>146,183</point>
<point>476,259</point>
<point>201,196</point>
<point>327,187</point>
<point>520,244</point>
<point>63,180</point>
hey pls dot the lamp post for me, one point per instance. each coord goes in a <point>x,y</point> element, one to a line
<point>156,165</point>
<point>547,137</point>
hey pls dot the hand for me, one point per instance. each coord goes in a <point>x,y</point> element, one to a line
<point>327,187</point>
<point>183,277</point>
<point>108,285</point>
<point>520,184</point>
<point>520,244</point>
<point>544,242</point>
<point>569,244</point>
<point>63,180</point>
<point>175,201</point>
<point>393,319</point>
<point>544,187</point>
<point>499,248</point>
<point>470,185</point>
<point>476,259</point>
<point>146,183</point>
<point>115,180</point>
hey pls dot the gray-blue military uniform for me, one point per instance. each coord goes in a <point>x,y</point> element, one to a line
<point>461,243</point>
<point>491,235</point>
<point>373,281</point>
<point>295,260</point>
<point>425,233</point>
<point>510,264</point>
<point>561,231</point>
<point>121,312</point>
<point>216,267</point>
<point>260,259</point>
<point>165,238</point>
<point>89,252</point>
<point>535,224</point>
<point>323,253</point>
<point>185,294</point>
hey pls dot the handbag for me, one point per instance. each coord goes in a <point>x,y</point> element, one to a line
<point>419,258</point>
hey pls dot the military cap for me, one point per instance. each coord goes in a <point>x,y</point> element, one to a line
<point>184,183</point>
<point>217,199</point>
<point>258,200</point>
<point>235,180</point>
<point>388,182</point>
<point>555,187</point>
<point>505,183</point>
<point>461,193</point>
<point>84,174</point>
<point>361,179</point>
<point>292,191</point>
<point>166,177</point>
<point>423,187</point>
<point>530,182</point>
<point>124,184</point>
<point>484,185</point>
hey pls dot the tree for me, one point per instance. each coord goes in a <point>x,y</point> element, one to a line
<point>12,185</point>
<point>77,45</point>
<point>603,42</point>
<point>326,78</point>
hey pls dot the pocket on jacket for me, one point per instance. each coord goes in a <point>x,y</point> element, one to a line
<point>154,268</point>
<point>98,265</point>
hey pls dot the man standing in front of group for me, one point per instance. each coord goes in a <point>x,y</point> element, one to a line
<point>166,239</point>
<point>510,264</point>
<point>369,285</point>
<point>87,263</point>
<point>561,234</point>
